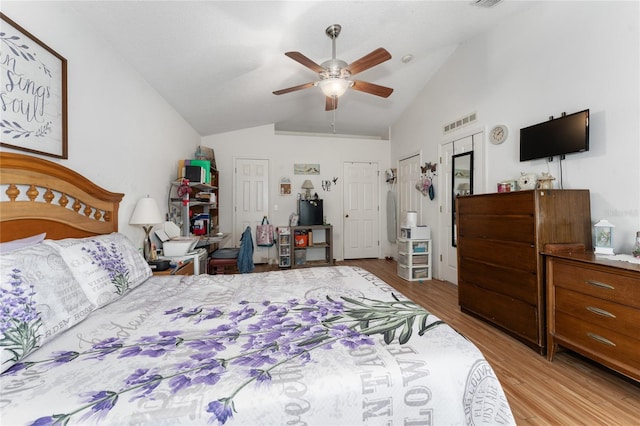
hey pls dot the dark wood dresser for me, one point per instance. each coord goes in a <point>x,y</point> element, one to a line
<point>500,238</point>
<point>593,308</point>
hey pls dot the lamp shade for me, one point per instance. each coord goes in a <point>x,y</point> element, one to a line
<point>334,86</point>
<point>146,213</point>
<point>307,184</point>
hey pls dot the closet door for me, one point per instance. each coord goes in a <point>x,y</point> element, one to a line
<point>447,254</point>
<point>361,211</point>
<point>251,204</point>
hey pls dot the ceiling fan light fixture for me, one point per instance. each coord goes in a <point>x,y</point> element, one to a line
<point>334,86</point>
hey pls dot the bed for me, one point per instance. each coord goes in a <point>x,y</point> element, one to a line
<point>106,342</point>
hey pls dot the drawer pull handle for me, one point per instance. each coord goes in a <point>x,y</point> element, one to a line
<point>601,285</point>
<point>601,339</point>
<point>600,311</point>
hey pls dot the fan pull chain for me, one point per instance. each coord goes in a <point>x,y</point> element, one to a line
<point>333,122</point>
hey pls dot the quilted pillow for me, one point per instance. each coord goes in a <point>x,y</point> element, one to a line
<point>39,298</point>
<point>106,266</point>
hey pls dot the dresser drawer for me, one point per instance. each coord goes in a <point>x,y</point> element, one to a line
<point>502,204</point>
<point>509,228</point>
<point>519,284</point>
<point>613,316</point>
<point>613,349</point>
<point>597,283</point>
<point>511,314</point>
<point>508,254</point>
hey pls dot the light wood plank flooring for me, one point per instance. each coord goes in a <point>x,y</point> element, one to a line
<point>568,391</point>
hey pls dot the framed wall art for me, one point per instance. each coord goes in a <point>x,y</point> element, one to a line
<point>285,186</point>
<point>306,169</point>
<point>33,94</point>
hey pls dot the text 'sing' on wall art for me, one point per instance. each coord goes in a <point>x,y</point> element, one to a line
<point>306,169</point>
<point>33,94</point>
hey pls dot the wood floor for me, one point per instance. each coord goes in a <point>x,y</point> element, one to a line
<point>568,391</point>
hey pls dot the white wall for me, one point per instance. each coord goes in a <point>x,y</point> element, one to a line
<point>122,134</point>
<point>283,151</point>
<point>557,57</point>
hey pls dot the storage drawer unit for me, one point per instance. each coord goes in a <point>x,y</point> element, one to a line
<point>593,308</point>
<point>500,268</point>
<point>414,259</point>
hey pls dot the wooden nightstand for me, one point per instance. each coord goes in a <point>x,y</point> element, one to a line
<point>184,269</point>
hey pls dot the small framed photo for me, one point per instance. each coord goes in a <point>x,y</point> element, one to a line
<point>285,186</point>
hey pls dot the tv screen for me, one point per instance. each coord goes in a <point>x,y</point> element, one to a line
<point>564,135</point>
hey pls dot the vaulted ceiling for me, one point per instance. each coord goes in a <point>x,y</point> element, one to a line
<point>218,62</point>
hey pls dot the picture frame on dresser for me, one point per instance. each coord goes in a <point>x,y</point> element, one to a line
<point>32,120</point>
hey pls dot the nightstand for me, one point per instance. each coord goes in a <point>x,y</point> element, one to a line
<point>184,269</point>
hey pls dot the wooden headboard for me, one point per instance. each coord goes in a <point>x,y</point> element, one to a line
<point>42,196</point>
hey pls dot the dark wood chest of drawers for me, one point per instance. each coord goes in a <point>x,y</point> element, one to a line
<point>593,307</point>
<point>500,266</point>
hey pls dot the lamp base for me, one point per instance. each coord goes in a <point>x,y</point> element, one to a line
<point>146,245</point>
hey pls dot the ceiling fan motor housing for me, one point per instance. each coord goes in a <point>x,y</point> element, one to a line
<point>334,68</point>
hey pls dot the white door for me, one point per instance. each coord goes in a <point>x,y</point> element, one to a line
<point>408,196</point>
<point>251,201</point>
<point>448,270</point>
<point>361,211</point>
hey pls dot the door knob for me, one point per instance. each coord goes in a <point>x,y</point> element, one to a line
<point>346,215</point>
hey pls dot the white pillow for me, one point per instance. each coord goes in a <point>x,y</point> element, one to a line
<point>106,266</point>
<point>39,297</point>
<point>21,243</point>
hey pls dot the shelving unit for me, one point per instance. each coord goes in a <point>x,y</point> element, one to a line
<point>318,250</point>
<point>190,203</point>
<point>284,247</point>
<point>414,259</point>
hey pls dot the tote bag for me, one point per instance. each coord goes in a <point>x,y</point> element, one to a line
<point>264,233</point>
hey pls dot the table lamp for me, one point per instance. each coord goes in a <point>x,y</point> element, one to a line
<point>308,186</point>
<point>146,214</point>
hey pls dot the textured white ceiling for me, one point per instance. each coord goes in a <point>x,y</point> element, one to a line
<point>218,62</point>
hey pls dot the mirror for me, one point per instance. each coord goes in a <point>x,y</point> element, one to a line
<point>461,184</point>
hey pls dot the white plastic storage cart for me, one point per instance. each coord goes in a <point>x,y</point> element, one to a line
<point>284,247</point>
<point>414,254</point>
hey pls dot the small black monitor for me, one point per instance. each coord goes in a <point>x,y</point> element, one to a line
<point>310,212</point>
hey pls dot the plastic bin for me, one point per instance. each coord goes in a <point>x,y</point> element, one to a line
<point>300,257</point>
<point>301,239</point>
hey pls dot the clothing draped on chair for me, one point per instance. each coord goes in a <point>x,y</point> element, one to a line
<point>245,257</point>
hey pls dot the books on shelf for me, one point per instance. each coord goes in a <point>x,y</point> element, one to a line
<point>197,171</point>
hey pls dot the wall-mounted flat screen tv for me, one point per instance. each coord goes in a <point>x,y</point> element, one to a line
<point>564,135</point>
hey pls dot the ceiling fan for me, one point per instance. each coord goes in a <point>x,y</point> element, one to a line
<point>335,74</point>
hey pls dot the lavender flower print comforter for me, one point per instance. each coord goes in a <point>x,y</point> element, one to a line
<point>316,346</point>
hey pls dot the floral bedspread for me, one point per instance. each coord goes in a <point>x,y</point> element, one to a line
<point>318,346</point>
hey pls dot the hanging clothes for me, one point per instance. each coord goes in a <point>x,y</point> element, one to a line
<point>391,216</point>
<point>245,257</point>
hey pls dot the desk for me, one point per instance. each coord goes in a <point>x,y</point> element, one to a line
<point>213,243</point>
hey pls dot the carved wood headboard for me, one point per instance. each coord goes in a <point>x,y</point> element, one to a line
<point>42,196</point>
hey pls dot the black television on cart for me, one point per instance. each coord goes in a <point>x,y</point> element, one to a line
<point>566,134</point>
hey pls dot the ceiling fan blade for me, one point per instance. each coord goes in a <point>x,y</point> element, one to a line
<point>299,57</point>
<point>374,58</point>
<point>331,103</point>
<point>293,89</point>
<point>371,88</point>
